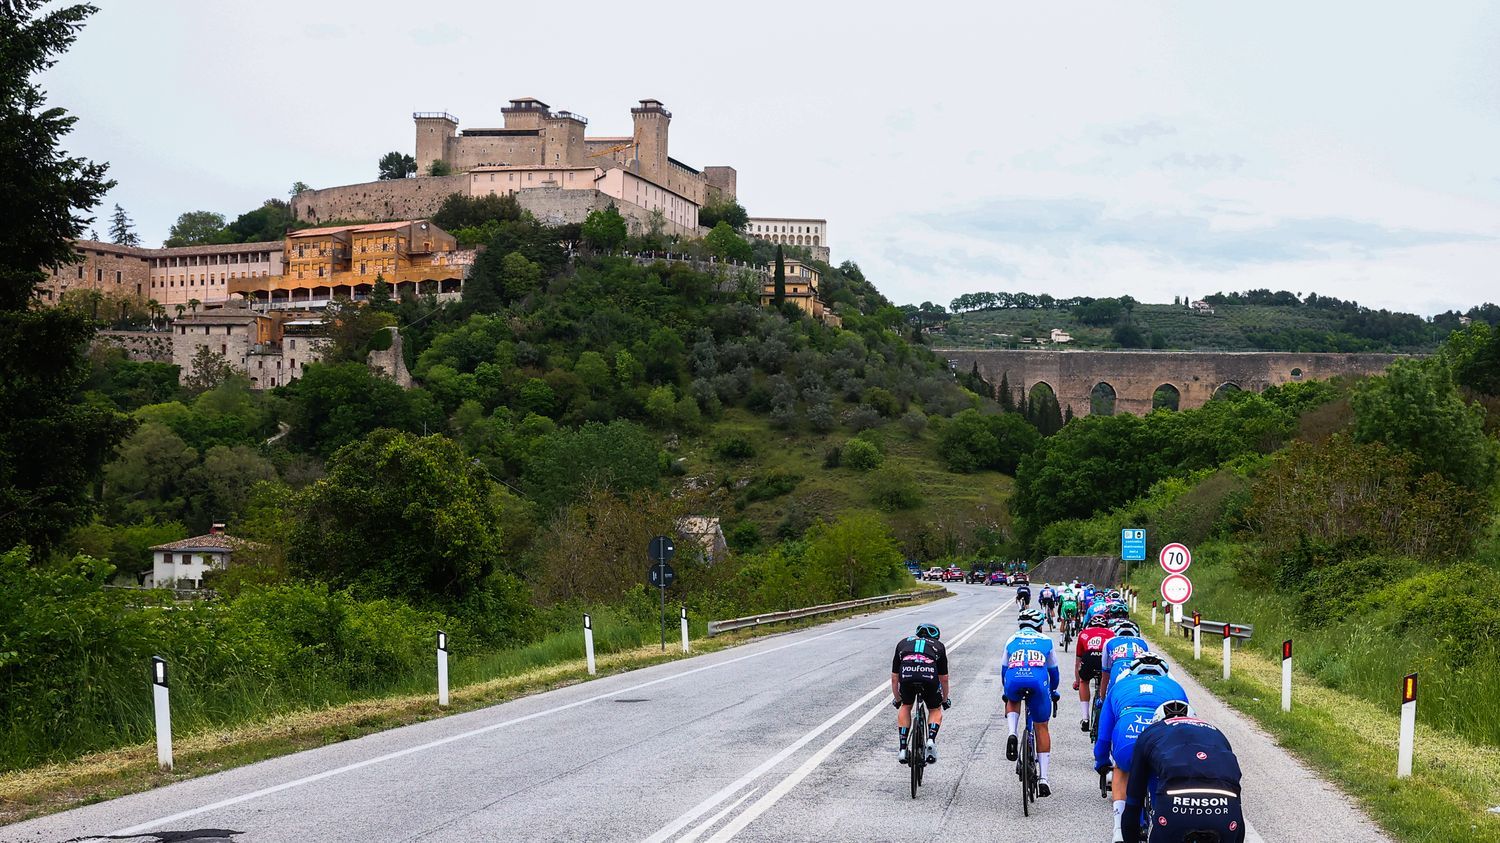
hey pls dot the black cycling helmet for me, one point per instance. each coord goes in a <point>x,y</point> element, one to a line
<point>1117,611</point>
<point>929,630</point>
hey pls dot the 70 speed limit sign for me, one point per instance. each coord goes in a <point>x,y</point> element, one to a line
<point>1175,558</point>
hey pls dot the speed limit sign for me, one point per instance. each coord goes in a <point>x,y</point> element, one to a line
<point>1175,558</point>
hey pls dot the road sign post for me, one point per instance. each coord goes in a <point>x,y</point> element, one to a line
<point>1226,650</point>
<point>661,575</point>
<point>1408,726</point>
<point>442,668</point>
<point>588,642</point>
<point>1286,675</point>
<point>163,707</point>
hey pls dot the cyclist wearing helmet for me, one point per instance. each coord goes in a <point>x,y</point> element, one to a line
<point>1188,770</point>
<point>1119,652</point>
<point>920,667</point>
<point>1087,662</point>
<point>1128,710</point>
<point>1047,599</point>
<point>1023,594</point>
<point>1031,673</point>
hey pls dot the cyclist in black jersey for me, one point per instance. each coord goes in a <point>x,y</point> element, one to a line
<point>1185,772</point>
<point>920,666</point>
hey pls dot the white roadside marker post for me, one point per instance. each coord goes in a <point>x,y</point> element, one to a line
<point>1226,651</point>
<point>684,630</point>
<point>1408,726</point>
<point>1197,636</point>
<point>1153,613</point>
<point>588,642</point>
<point>163,712</point>
<point>1166,623</point>
<point>442,667</point>
<point>1286,675</point>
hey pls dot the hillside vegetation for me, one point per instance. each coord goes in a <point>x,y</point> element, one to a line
<point>1255,321</point>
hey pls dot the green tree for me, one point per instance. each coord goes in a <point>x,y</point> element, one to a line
<point>860,455</point>
<point>380,295</point>
<point>399,515</point>
<point>972,441</point>
<point>121,229</point>
<point>334,404</point>
<point>856,555</point>
<point>396,165</point>
<point>146,480</point>
<point>53,442</point>
<point>778,279</point>
<point>1475,357</point>
<point>593,371</point>
<point>605,229</point>
<point>727,211</point>
<point>208,370</point>
<point>1007,401</point>
<point>298,187</point>
<point>197,228</point>
<point>725,244</point>
<point>220,488</point>
<point>1414,407</point>
<point>620,456</point>
<point>351,328</point>
<point>439,167</point>
<point>269,222</point>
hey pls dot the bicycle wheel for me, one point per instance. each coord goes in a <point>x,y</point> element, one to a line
<point>1023,767</point>
<point>1094,707</point>
<point>916,750</point>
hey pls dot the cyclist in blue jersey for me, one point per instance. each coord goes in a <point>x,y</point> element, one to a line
<point>1119,652</point>
<point>920,666</point>
<point>1132,702</point>
<point>1030,673</point>
<point>1188,772</point>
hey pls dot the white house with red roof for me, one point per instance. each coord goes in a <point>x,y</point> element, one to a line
<point>182,564</point>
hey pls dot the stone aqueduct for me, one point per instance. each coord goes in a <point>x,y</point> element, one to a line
<point>1136,375</point>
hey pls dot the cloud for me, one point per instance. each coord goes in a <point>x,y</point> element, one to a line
<point>1077,225</point>
<point>1133,134</point>
<point>1200,161</point>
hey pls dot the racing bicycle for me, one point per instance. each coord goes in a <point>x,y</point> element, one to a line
<point>916,743</point>
<point>1027,767</point>
<point>1096,707</point>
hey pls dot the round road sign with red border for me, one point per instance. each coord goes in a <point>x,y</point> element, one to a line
<point>1175,558</point>
<point>1176,589</point>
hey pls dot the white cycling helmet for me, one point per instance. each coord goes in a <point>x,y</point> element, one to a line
<point>1148,664</point>
<point>1173,708</point>
<point>1031,619</point>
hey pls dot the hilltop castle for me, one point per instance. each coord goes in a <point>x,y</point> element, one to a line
<point>545,159</point>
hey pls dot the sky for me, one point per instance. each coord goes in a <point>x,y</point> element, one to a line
<point>1155,149</point>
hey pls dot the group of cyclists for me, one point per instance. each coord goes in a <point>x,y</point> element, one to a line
<point>1152,752</point>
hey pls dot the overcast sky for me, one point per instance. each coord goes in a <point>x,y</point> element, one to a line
<point>1154,149</point>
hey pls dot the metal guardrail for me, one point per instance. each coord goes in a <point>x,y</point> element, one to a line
<point>716,627</point>
<point>1238,631</point>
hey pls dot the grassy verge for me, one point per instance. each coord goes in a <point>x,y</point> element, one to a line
<point>1352,741</point>
<point>483,681</point>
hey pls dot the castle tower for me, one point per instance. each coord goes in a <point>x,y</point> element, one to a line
<point>434,130</point>
<point>651,122</point>
<point>525,113</point>
<point>562,139</point>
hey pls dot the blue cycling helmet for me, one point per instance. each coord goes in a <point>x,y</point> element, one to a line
<point>929,630</point>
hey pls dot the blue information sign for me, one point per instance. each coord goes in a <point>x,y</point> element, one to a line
<point>1133,545</point>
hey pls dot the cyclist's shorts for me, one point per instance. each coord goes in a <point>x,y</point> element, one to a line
<point>1035,689</point>
<point>1090,666</point>
<point>932,692</point>
<point>1129,727</point>
<point>1047,601</point>
<point>1179,812</point>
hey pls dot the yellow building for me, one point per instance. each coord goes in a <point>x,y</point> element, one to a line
<point>412,256</point>
<point>801,291</point>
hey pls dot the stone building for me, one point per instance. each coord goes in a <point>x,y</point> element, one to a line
<point>170,276</point>
<point>792,231</point>
<point>541,156</point>
<point>414,257</point>
<point>270,349</point>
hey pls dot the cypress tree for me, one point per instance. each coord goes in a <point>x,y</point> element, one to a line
<point>1068,414</point>
<point>780,279</point>
<point>1007,401</point>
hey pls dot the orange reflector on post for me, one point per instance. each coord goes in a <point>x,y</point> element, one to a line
<point>1409,688</point>
<point>1197,619</point>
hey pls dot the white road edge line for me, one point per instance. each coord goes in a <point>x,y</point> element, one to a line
<point>137,830</point>
<point>766,766</point>
<point>782,788</point>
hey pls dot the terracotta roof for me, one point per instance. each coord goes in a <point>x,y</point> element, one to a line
<point>356,227</point>
<point>176,251</point>
<point>211,541</point>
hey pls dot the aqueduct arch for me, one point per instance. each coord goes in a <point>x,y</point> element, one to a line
<point>1135,375</point>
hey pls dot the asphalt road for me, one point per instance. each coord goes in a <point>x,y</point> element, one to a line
<point>786,738</point>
